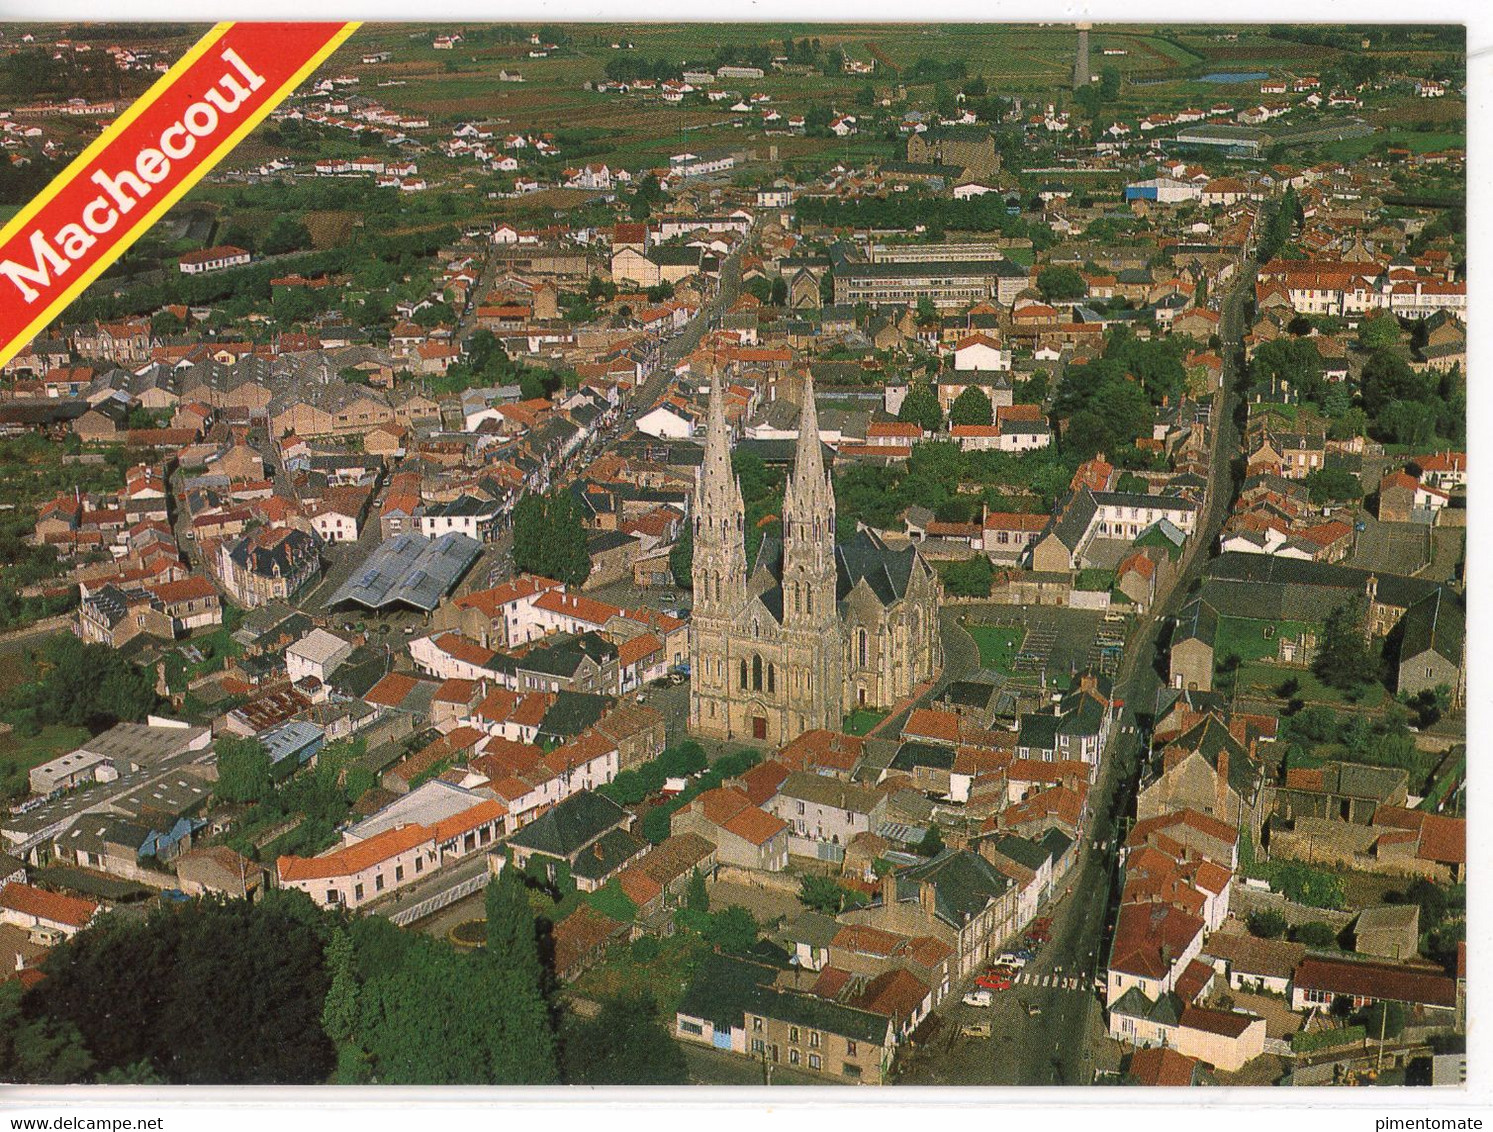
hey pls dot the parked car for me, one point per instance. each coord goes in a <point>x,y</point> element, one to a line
<point>977,998</point>
<point>1012,959</point>
<point>993,982</point>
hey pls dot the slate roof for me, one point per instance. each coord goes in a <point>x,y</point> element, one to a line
<point>963,883</point>
<point>726,990</point>
<point>610,852</point>
<point>571,826</point>
<point>1435,623</point>
<point>1198,621</point>
<point>887,572</point>
<point>410,569</point>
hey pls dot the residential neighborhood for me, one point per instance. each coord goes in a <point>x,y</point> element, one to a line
<point>727,558</point>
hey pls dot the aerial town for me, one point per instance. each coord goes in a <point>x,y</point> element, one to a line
<point>749,555</point>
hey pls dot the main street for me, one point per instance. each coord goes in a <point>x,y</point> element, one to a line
<point>1062,1044</point>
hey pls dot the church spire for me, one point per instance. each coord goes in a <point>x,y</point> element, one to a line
<point>719,571</point>
<point>809,527</point>
<point>809,484</point>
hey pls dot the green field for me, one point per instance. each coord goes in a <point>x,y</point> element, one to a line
<point>1250,639</point>
<point>1256,679</point>
<point>862,720</point>
<point>998,645</point>
<point>1415,141</point>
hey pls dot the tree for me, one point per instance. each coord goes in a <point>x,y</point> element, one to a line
<point>1315,934</point>
<point>682,558</point>
<point>1343,657</point>
<point>696,897</point>
<point>1384,1020</point>
<point>625,1044</point>
<point>822,894</point>
<point>1381,332</point>
<point>1388,377</point>
<point>164,324</point>
<point>1109,84</point>
<point>921,407</point>
<point>1408,422</point>
<point>85,685</point>
<point>243,770</point>
<point>1266,924</point>
<point>339,1010</point>
<point>549,538</point>
<point>971,407</point>
<point>285,234</point>
<point>1328,485</point>
<point>932,843</point>
<point>970,578</point>
<point>778,294</point>
<point>442,1018</point>
<point>1059,284</point>
<point>259,964</point>
<point>511,930</point>
<point>733,929</point>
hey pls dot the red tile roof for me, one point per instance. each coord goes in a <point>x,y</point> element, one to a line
<point>43,905</point>
<point>1150,937</point>
<point>1378,981</point>
<point>1162,1066</point>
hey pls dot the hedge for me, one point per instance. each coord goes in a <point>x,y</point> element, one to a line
<point>1326,1039</point>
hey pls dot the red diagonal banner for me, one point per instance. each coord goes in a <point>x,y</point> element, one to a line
<point>145,162</point>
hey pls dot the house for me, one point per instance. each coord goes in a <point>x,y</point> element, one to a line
<point>980,352</point>
<point>823,814</point>
<point>1320,982</point>
<point>1250,963</point>
<point>218,870</point>
<point>212,259</point>
<point>268,564</point>
<point>580,940</point>
<point>1206,769</point>
<point>1191,652</point>
<point>317,654</point>
<point>1153,944</point>
<point>1163,1065</point>
<point>31,909</point>
<point>957,897</point>
<point>1389,931</point>
<point>586,834</point>
<point>734,1005</point>
<point>743,834</point>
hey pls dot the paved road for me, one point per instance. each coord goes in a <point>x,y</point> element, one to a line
<point>1064,1044</point>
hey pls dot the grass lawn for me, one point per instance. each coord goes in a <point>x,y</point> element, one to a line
<point>862,720</point>
<point>18,754</point>
<point>998,645</point>
<point>1258,678</point>
<point>1251,639</point>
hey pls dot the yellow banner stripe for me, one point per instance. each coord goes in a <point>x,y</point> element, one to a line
<point>165,203</point>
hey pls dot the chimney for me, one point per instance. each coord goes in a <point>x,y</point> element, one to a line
<point>889,890</point>
<point>1222,792</point>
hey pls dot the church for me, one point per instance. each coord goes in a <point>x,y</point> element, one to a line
<point>809,631</point>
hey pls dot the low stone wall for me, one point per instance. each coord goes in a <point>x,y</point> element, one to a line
<point>756,878</point>
<point>1341,852</point>
<point>1243,900</point>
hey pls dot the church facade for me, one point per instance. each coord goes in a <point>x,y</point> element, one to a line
<point>809,630</point>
